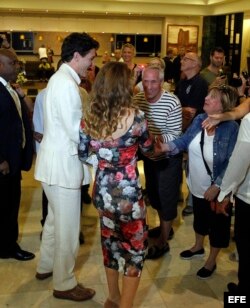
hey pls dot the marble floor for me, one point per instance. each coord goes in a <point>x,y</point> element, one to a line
<point>166,282</point>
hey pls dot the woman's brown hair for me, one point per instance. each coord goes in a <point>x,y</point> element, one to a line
<point>111,99</point>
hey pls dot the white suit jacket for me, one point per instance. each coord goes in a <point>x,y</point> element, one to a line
<point>57,161</point>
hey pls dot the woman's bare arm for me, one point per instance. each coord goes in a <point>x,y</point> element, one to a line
<point>237,113</point>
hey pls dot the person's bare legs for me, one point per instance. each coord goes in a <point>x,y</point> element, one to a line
<point>113,286</point>
<point>129,288</point>
<point>211,260</point>
<point>199,241</point>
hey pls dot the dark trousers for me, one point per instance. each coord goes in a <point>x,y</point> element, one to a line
<point>10,195</point>
<point>242,238</point>
<point>207,222</point>
<point>163,180</point>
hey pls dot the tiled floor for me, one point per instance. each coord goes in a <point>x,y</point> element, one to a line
<point>166,282</point>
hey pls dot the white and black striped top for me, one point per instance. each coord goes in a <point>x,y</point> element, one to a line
<point>164,117</point>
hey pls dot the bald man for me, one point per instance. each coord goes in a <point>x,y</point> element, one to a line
<point>16,152</point>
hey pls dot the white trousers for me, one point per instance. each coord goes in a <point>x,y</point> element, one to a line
<point>60,240</point>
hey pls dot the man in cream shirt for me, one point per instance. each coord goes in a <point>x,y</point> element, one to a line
<point>60,170</point>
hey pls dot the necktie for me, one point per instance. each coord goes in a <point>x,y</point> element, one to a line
<point>18,107</point>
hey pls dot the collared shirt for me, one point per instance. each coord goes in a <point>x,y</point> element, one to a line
<point>16,100</point>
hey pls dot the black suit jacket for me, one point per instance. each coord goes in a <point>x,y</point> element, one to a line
<point>11,134</point>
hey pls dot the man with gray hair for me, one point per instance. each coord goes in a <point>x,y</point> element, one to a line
<point>162,173</point>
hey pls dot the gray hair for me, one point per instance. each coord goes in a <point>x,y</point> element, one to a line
<point>154,67</point>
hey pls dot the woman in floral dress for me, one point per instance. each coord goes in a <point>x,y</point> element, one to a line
<point>113,129</point>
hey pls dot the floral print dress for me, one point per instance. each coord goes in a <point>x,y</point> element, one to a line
<point>117,195</point>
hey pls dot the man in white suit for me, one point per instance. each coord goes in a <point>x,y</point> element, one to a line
<point>60,170</point>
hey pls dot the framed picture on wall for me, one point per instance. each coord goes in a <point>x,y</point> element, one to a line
<point>183,36</point>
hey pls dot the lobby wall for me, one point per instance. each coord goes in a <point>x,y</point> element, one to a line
<point>52,27</point>
<point>245,44</point>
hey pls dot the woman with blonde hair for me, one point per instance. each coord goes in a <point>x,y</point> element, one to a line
<point>128,53</point>
<point>113,129</point>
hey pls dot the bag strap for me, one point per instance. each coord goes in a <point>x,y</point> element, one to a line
<point>209,172</point>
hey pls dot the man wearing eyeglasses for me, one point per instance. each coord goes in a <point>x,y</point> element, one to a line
<point>191,92</point>
<point>192,89</point>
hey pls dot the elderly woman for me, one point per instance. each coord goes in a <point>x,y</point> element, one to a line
<point>209,152</point>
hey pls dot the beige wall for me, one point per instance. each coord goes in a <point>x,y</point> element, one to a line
<point>245,44</point>
<point>52,27</point>
<point>61,26</point>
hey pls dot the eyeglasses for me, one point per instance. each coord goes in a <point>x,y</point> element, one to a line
<point>226,89</point>
<point>187,58</point>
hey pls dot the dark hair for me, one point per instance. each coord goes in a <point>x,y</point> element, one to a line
<point>217,49</point>
<point>59,63</point>
<point>80,42</point>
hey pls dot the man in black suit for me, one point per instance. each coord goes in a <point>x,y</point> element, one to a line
<point>16,151</point>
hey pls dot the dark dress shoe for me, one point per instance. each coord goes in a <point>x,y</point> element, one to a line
<point>232,288</point>
<point>156,252</point>
<point>156,232</point>
<point>22,255</point>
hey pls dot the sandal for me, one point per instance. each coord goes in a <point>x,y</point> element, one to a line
<point>155,252</point>
<point>110,304</point>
